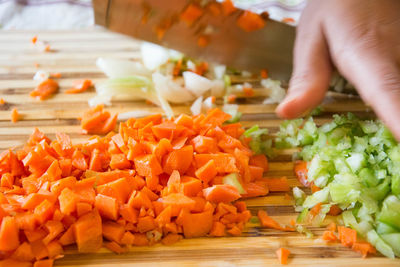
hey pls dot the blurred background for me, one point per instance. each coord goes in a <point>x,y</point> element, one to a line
<point>75,14</point>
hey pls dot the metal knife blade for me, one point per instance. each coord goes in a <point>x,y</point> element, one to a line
<point>267,48</point>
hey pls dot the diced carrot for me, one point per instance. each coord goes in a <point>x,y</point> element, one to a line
<point>140,240</point>
<point>214,8</point>
<point>278,184</point>
<point>347,236</point>
<point>228,7</point>
<point>191,14</point>
<point>54,228</point>
<point>256,172</point>
<point>34,39</point>
<point>267,221</point>
<point>23,253</point>
<point>88,232</point>
<point>218,229</point>
<point>68,237</point>
<point>248,91</point>
<point>256,189</point>
<point>259,161</point>
<point>329,236</point>
<point>44,211</point>
<point>146,224</point>
<point>300,169</point>
<point>55,75</point>
<point>288,20</point>
<point>221,193</point>
<point>107,206</point>
<point>224,162</point>
<point>2,101</point>
<point>197,224</point>
<point>204,144</point>
<point>45,89</point>
<point>113,231</point>
<point>171,239</point>
<point>147,165</point>
<point>314,188</point>
<point>14,115</point>
<point>179,160</point>
<point>234,231</point>
<point>114,247</point>
<point>39,250</point>
<point>68,200</point>
<point>250,21</point>
<point>191,186</point>
<point>331,227</point>
<point>364,248</point>
<point>207,172</point>
<point>283,255</point>
<point>314,211</point>
<point>178,201</point>
<point>44,263</point>
<point>334,210</point>
<point>55,249</point>
<point>127,238</point>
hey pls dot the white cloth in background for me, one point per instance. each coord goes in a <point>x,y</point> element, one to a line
<point>75,14</point>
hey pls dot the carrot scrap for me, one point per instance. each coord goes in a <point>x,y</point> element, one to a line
<point>264,74</point>
<point>203,40</point>
<point>278,184</point>
<point>34,39</point>
<point>250,21</point>
<point>98,121</point>
<point>347,236</point>
<point>288,20</point>
<point>248,91</point>
<point>2,101</point>
<point>364,248</point>
<point>55,75</point>
<point>283,255</point>
<point>191,14</point>
<point>14,115</point>
<point>79,87</point>
<point>329,236</point>
<point>45,89</point>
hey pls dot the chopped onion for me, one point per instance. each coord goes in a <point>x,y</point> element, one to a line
<point>196,106</point>
<point>171,90</point>
<point>41,75</point>
<point>128,88</point>
<point>164,104</point>
<point>218,88</point>
<point>154,56</point>
<point>219,71</point>
<point>195,83</point>
<point>246,74</point>
<point>190,65</point>
<point>117,68</point>
<point>134,114</point>
<point>99,99</point>
<point>277,92</point>
<point>208,103</point>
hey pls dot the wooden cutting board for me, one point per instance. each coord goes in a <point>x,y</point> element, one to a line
<point>73,55</point>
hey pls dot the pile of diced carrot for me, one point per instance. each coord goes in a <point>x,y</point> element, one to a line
<point>156,180</point>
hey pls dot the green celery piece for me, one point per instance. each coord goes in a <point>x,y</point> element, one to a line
<point>396,185</point>
<point>356,161</point>
<point>379,244</point>
<point>390,213</point>
<point>369,127</point>
<point>383,228</point>
<point>302,217</point>
<point>368,178</point>
<point>233,180</point>
<point>318,197</point>
<point>393,240</point>
<point>343,193</point>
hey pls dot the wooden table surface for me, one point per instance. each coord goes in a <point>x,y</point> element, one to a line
<point>73,55</point>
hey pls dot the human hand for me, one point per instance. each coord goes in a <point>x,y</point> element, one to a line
<point>361,38</point>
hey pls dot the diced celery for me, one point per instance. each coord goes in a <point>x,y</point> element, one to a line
<point>390,213</point>
<point>379,244</point>
<point>356,161</point>
<point>233,180</point>
<point>368,178</point>
<point>318,197</point>
<point>302,217</point>
<point>304,230</point>
<point>369,127</point>
<point>342,193</point>
<point>383,228</point>
<point>299,196</point>
<point>393,240</point>
<point>396,185</point>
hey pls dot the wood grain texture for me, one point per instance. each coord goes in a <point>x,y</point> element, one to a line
<point>74,57</point>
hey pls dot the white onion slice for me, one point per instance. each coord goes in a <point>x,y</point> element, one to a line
<point>196,106</point>
<point>208,103</point>
<point>115,68</point>
<point>195,83</point>
<point>98,100</point>
<point>219,71</point>
<point>134,114</point>
<point>171,90</point>
<point>153,55</point>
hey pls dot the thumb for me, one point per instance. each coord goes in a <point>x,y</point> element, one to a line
<point>311,74</point>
